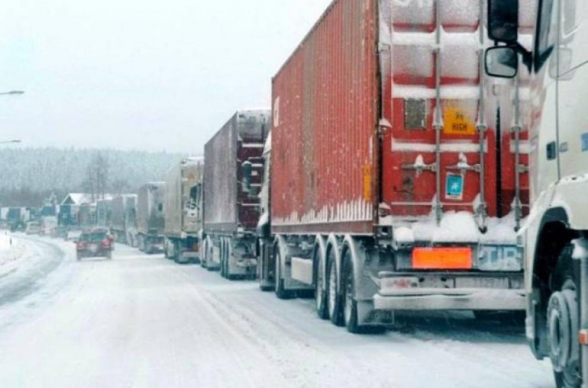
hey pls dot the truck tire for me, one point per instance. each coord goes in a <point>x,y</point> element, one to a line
<point>209,256</point>
<point>177,252</point>
<point>280,290</point>
<point>228,254</point>
<point>334,297</point>
<point>320,293</point>
<point>349,304</point>
<point>265,284</point>
<point>222,258</point>
<point>562,324</point>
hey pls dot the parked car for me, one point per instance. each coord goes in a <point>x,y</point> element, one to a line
<point>33,227</point>
<point>95,243</point>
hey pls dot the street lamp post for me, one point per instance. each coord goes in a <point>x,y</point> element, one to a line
<point>12,93</point>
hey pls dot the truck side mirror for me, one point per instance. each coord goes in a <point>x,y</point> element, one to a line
<point>503,20</point>
<point>502,62</point>
<point>247,170</point>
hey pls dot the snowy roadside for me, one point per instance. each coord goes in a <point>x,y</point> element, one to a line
<point>25,266</point>
<point>13,253</point>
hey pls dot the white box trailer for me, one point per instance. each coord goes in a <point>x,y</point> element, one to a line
<point>183,210</point>
<point>124,223</point>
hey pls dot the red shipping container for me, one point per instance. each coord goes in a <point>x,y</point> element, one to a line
<point>380,117</point>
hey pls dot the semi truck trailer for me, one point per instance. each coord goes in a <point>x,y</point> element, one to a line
<point>183,210</point>
<point>556,234</point>
<point>124,218</point>
<point>104,213</point>
<point>150,217</point>
<point>396,179</point>
<point>230,212</point>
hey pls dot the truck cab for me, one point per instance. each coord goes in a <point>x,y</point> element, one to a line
<point>555,235</point>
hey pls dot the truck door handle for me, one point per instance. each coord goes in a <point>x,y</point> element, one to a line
<point>551,151</point>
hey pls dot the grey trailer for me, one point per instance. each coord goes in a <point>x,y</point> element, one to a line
<point>150,217</point>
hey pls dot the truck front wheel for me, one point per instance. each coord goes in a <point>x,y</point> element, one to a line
<point>563,325</point>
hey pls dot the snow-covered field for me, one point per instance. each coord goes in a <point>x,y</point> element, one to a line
<point>142,321</point>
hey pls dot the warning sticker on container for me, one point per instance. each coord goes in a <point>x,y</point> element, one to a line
<point>457,122</point>
<point>454,187</point>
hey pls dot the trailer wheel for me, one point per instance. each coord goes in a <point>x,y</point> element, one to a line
<point>280,290</point>
<point>320,292</point>
<point>262,267</point>
<point>228,254</point>
<point>334,298</point>
<point>210,249</point>
<point>222,259</point>
<point>349,302</point>
<point>177,252</point>
<point>562,324</point>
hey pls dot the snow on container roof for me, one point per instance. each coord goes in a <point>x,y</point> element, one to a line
<point>253,124</point>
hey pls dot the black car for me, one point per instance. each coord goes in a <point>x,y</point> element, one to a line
<point>95,243</point>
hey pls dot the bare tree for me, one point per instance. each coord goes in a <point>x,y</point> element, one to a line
<point>120,186</point>
<point>96,181</point>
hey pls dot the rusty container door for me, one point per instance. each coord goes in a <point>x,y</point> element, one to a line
<point>253,129</point>
<point>440,152</point>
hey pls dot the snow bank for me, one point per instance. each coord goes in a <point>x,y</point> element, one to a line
<point>12,252</point>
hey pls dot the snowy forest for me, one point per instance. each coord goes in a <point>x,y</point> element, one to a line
<point>30,175</point>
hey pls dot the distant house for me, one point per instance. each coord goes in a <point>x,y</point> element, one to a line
<point>77,199</point>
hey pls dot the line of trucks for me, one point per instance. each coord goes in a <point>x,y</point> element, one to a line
<point>418,155</point>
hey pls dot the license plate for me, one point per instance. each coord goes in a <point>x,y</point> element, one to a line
<point>482,283</point>
<point>94,248</point>
<point>500,258</point>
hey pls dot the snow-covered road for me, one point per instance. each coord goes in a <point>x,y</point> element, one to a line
<point>142,321</point>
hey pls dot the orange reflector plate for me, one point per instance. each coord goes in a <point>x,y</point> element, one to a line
<point>584,337</point>
<point>442,258</point>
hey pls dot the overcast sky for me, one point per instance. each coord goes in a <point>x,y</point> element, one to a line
<point>140,74</point>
